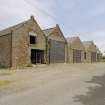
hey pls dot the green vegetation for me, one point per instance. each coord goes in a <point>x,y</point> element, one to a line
<point>4,83</point>
<point>103,59</point>
<point>3,66</point>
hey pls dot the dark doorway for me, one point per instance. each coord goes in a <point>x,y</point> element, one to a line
<point>37,56</point>
<point>93,57</point>
<point>76,56</point>
<point>56,52</point>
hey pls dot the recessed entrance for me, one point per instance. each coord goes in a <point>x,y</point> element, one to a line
<point>76,56</point>
<point>56,52</point>
<point>93,57</point>
<point>37,56</point>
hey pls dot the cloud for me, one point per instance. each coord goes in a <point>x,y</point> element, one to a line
<point>14,11</point>
<point>98,37</point>
<point>83,16</point>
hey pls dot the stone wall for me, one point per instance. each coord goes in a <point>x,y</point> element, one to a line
<point>77,44</point>
<point>70,55</point>
<point>21,43</point>
<point>5,50</point>
<point>88,57</point>
<point>92,48</point>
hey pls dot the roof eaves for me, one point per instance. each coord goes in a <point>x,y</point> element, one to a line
<point>48,31</point>
<point>12,28</point>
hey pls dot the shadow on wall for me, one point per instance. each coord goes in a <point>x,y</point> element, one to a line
<point>96,95</point>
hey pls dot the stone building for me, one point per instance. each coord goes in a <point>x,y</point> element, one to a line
<point>56,45</point>
<point>90,54</point>
<point>99,55</point>
<point>75,50</point>
<point>22,44</point>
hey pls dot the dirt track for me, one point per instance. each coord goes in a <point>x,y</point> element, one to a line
<point>61,84</point>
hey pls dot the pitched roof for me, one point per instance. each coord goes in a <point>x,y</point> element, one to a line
<point>72,39</point>
<point>12,28</point>
<point>87,44</point>
<point>47,32</point>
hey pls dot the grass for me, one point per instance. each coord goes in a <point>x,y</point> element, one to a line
<point>103,60</point>
<point>3,66</point>
<point>4,83</point>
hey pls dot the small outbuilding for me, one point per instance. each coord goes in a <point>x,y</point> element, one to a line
<point>56,45</point>
<point>22,44</point>
<point>90,54</point>
<point>75,50</point>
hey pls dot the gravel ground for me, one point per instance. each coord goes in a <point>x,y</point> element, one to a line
<point>60,84</point>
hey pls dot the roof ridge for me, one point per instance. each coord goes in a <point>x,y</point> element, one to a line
<point>87,41</point>
<point>49,28</point>
<point>71,39</point>
<point>48,31</point>
<point>12,28</point>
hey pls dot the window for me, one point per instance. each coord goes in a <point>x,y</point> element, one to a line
<point>85,55</point>
<point>32,39</point>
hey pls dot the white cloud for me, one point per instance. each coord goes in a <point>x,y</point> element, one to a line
<point>98,37</point>
<point>101,46</point>
<point>13,11</point>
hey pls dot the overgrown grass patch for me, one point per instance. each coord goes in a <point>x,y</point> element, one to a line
<point>3,66</point>
<point>4,83</point>
<point>103,60</point>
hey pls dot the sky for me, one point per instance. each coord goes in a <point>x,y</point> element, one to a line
<point>83,18</point>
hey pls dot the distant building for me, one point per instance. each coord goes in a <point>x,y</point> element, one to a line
<point>90,54</point>
<point>75,50</point>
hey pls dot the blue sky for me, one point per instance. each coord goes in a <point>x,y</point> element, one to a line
<point>85,18</point>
